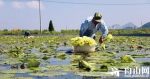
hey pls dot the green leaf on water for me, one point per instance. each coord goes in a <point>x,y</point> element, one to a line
<point>12,61</point>
<point>33,63</point>
<point>61,56</point>
<point>48,74</point>
<point>138,56</point>
<point>145,63</point>
<point>4,61</point>
<point>45,51</point>
<point>39,69</point>
<point>6,76</point>
<point>45,57</point>
<point>111,52</point>
<point>104,68</point>
<point>24,78</point>
<point>75,57</point>
<point>87,66</point>
<point>13,71</point>
<point>94,74</point>
<point>124,65</point>
<point>63,67</point>
<point>127,58</point>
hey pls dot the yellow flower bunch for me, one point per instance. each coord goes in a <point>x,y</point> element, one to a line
<point>109,36</point>
<point>81,41</point>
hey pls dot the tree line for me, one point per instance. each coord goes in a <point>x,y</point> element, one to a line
<point>51,30</point>
<point>73,31</point>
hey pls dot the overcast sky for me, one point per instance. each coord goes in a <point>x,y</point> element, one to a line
<point>24,14</point>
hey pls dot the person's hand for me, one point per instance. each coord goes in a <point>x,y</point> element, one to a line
<point>101,40</point>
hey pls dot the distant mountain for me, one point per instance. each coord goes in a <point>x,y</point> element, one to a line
<point>147,25</point>
<point>116,26</point>
<point>129,26</point>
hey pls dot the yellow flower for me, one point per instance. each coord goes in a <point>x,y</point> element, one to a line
<point>86,41</point>
<point>76,43</point>
<point>81,43</point>
<point>109,36</point>
<point>85,37</point>
<point>91,43</point>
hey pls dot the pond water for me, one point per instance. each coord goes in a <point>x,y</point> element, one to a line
<point>142,59</point>
<point>121,74</point>
<point>71,75</point>
<point>55,61</point>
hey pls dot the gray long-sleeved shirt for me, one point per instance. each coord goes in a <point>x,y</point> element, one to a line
<point>89,29</point>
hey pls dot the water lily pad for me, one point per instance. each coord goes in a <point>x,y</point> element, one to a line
<point>62,67</point>
<point>6,76</point>
<point>12,61</point>
<point>111,52</point>
<point>48,74</point>
<point>146,63</point>
<point>94,74</point>
<point>61,56</point>
<point>45,51</point>
<point>45,57</point>
<point>33,63</point>
<point>3,61</point>
<point>104,68</point>
<point>24,78</point>
<point>75,57</point>
<point>87,66</point>
<point>39,69</point>
<point>138,56</point>
<point>127,58</point>
<point>13,71</point>
<point>124,65</point>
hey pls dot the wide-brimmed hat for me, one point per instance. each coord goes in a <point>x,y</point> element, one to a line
<point>97,17</point>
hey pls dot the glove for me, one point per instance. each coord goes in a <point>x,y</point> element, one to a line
<point>101,40</point>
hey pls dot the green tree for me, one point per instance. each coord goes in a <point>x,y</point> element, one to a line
<point>5,30</point>
<point>51,28</point>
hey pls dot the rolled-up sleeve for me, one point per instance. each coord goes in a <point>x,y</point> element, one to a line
<point>104,29</point>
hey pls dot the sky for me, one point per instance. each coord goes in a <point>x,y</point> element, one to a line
<point>69,14</point>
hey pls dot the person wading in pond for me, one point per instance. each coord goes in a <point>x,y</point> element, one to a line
<point>26,34</point>
<point>93,24</point>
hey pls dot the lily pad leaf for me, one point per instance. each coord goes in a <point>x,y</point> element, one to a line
<point>94,74</point>
<point>13,71</point>
<point>33,63</point>
<point>24,78</point>
<point>6,76</point>
<point>138,55</point>
<point>127,58</point>
<point>146,63</point>
<point>48,74</point>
